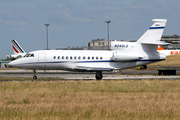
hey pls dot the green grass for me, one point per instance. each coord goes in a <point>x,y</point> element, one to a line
<point>141,99</point>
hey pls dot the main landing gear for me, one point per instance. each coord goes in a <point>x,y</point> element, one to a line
<point>99,75</point>
<point>35,74</point>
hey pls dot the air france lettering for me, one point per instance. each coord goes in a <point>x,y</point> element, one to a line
<point>121,46</point>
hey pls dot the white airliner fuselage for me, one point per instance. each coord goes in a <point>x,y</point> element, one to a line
<point>121,56</point>
<point>86,60</point>
<point>167,52</point>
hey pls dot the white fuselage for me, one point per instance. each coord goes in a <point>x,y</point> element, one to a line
<point>79,60</point>
<point>122,55</point>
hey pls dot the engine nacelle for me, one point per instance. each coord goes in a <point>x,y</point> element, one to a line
<point>118,56</point>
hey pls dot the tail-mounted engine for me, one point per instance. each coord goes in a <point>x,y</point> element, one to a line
<point>120,56</point>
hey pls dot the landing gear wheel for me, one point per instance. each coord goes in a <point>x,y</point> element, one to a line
<point>98,75</point>
<point>35,74</point>
<point>98,78</point>
<point>34,77</point>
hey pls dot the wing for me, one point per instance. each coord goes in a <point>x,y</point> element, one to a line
<point>84,68</point>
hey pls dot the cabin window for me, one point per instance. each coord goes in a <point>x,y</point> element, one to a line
<point>71,57</point>
<point>93,58</point>
<point>101,58</point>
<point>66,57</point>
<point>84,57</point>
<point>75,57</point>
<point>54,57</point>
<point>97,58</point>
<point>58,57</point>
<point>88,58</point>
<point>79,57</point>
<point>62,57</point>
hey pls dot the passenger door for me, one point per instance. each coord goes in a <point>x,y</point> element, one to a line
<point>42,60</point>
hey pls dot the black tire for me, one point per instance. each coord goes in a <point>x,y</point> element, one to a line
<point>34,77</point>
<point>98,78</point>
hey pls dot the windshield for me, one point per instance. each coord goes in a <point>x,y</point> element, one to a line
<point>29,55</point>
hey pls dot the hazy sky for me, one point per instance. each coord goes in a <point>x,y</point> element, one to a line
<point>76,22</point>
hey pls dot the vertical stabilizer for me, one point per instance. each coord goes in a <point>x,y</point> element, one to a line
<point>16,47</point>
<point>160,48</point>
<point>154,33</point>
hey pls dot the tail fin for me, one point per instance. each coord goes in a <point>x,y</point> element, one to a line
<point>154,33</point>
<point>160,48</point>
<point>16,47</point>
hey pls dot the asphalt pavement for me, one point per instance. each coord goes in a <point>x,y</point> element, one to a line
<point>69,75</point>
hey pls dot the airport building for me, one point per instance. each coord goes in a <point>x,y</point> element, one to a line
<point>4,64</point>
<point>74,48</point>
<point>98,44</point>
<point>174,40</point>
<point>101,44</point>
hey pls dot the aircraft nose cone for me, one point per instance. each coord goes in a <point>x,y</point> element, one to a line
<point>13,64</point>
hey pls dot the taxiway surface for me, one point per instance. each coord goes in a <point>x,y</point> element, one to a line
<point>66,75</point>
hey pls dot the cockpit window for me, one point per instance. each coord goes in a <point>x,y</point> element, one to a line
<point>25,55</point>
<point>29,55</point>
<point>32,55</point>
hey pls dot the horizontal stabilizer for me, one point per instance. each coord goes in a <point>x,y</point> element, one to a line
<point>155,42</point>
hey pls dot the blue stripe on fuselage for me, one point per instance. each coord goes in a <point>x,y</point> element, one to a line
<point>96,61</point>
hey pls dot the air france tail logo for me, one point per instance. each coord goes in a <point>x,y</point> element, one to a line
<point>121,46</point>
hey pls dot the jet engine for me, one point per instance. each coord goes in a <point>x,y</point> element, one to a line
<point>119,56</point>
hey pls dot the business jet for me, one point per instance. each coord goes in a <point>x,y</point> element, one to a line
<point>121,56</point>
<point>167,52</point>
<point>18,51</point>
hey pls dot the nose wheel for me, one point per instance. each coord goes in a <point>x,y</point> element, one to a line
<point>35,74</point>
<point>34,77</point>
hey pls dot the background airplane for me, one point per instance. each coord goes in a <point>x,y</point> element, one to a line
<point>121,56</point>
<point>167,52</point>
<point>18,51</point>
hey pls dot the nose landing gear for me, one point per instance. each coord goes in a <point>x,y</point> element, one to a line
<point>34,77</point>
<point>35,74</point>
